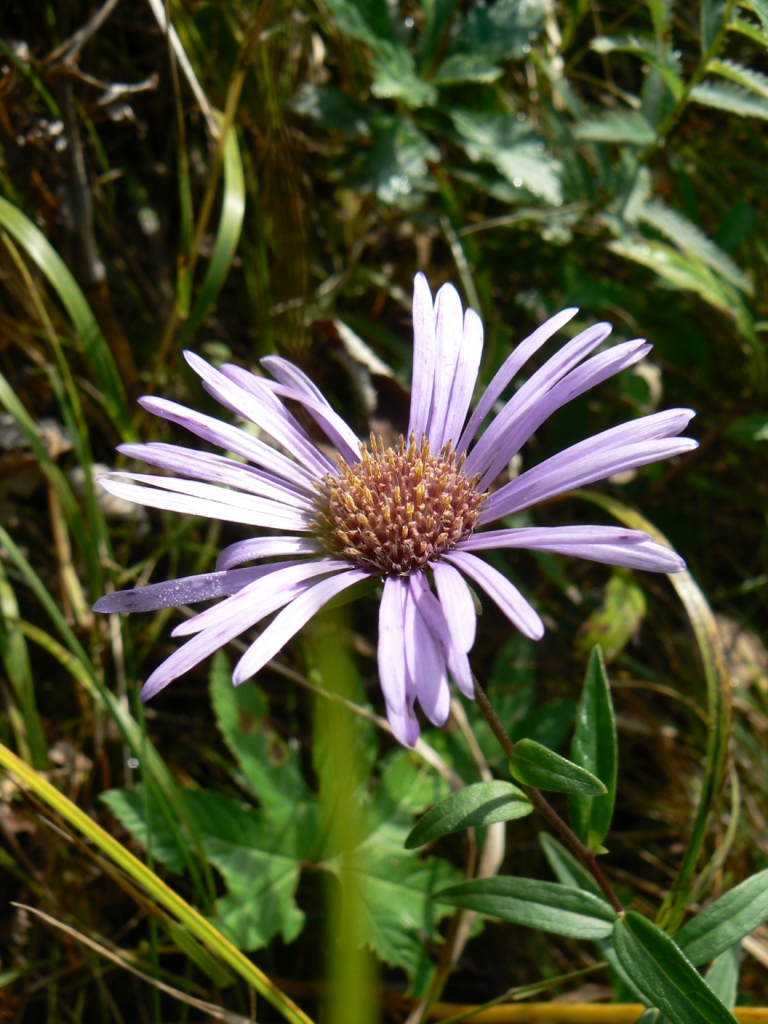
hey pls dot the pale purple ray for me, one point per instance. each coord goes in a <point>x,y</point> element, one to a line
<point>232,439</point>
<point>217,469</point>
<point>393,674</point>
<point>262,411</point>
<point>534,412</point>
<point>197,499</point>
<point>424,356</point>
<point>434,616</point>
<point>283,576</point>
<point>509,369</point>
<point>465,378</point>
<point>294,384</point>
<point>613,451</point>
<point>457,604</point>
<point>546,377</point>
<point>290,620</point>
<point>499,589</point>
<point>448,337</point>
<point>425,663</point>
<point>247,614</point>
<point>615,545</point>
<point>265,547</point>
<point>185,590</point>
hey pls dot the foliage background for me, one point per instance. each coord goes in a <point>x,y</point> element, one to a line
<point>539,155</point>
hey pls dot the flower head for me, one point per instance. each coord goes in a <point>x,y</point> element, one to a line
<point>413,516</point>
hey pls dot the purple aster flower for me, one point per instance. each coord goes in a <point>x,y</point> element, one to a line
<point>415,516</point>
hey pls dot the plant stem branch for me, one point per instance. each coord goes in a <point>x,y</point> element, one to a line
<point>543,805</point>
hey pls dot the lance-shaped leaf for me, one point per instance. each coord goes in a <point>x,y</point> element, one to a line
<point>536,765</point>
<point>726,921</point>
<point>594,748</point>
<point>560,909</point>
<point>666,978</point>
<point>481,804</point>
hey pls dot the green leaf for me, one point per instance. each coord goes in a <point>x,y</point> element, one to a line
<point>514,150</point>
<point>535,765</point>
<point>552,907</point>
<point>754,81</point>
<point>723,975</point>
<point>732,98</point>
<point>333,110</point>
<point>481,804</point>
<point>711,19</point>
<point>395,77</point>
<point>622,126</point>
<point>726,921</point>
<point>394,166</point>
<point>662,58</point>
<point>662,973</point>
<point>750,30</point>
<point>227,237</point>
<point>502,30</point>
<point>760,8</point>
<point>595,748</point>
<point>466,67</point>
<point>272,769</point>
<point>566,868</point>
<point>691,240</point>
<point>94,345</point>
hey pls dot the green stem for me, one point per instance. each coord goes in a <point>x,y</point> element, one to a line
<point>543,806</point>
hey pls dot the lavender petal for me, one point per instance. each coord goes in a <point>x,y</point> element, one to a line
<point>276,581</point>
<point>298,387</point>
<point>217,469</point>
<point>510,369</point>
<point>393,674</point>
<point>290,620</point>
<point>535,388</point>
<point>199,502</point>
<point>613,545</point>
<point>499,589</point>
<point>424,357</point>
<point>259,406</point>
<point>434,615</point>
<point>465,377</point>
<point>457,604</point>
<point>172,593</point>
<point>448,335</point>
<point>232,439</point>
<point>425,663</point>
<point>265,547</point>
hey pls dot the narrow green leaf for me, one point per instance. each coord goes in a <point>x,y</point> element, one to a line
<point>566,868</point>
<point>595,748</point>
<point>622,126</point>
<point>726,921</point>
<point>481,804</point>
<point>466,67</point>
<point>723,975</point>
<point>227,237</point>
<point>617,619</point>
<point>536,765</point>
<point>94,344</point>
<point>552,907</point>
<point>732,98</point>
<point>662,973</point>
<point>711,19</point>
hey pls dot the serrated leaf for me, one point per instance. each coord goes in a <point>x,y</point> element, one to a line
<point>750,30</point>
<point>395,77</point>
<point>502,30</point>
<point>475,806</point>
<point>516,152</point>
<point>754,81</point>
<point>466,67</point>
<point>732,98</point>
<point>663,58</point>
<point>760,8</point>
<point>726,921</point>
<point>365,20</point>
<point>549,906</point>
<point>394,166</point>
<point>662,973</point>
<point>272,770</point>
<point>536,765</point>
<point>594,747</point>
<point>623,126</point>
<point>691,240</point>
